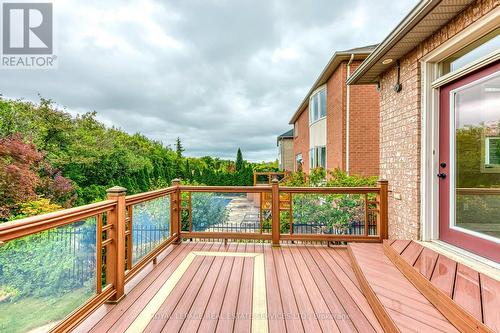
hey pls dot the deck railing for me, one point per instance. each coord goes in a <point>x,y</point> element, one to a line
<point>123,234</point>
<point>266,177</point>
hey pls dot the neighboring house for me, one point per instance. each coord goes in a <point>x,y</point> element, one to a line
<point>285,151</point>
<point>336,126</point>
<point>439,79</point>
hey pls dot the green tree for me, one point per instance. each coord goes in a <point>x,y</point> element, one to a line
<point>239,161</point>
<point>179,149</point>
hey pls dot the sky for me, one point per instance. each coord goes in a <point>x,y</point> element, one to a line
<point>219,74</point>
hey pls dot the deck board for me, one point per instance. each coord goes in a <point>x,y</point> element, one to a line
<point>467,293</point>
<point>311,288</point>
<point>490,296</point>
<point>304,304</point>
<point>444,275</point>
<point>138,296</point>
<point>334,305</point>
<point>474,292</point>
<point>307,288</point>
<point>426,262</point>
<point>412,252</point>
<point>274,305</point>
<point>353,301</point>
<point>225,322</point>
<point>406,307</point>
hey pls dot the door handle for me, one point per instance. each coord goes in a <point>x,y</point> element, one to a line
<point>441,175</point>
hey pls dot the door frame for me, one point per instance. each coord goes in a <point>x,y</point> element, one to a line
<point>431,81</point>
<point>479,243</point>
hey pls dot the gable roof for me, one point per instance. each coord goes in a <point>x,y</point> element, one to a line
<point>287,135</point>
<point>423,20</point>
<point>360,53</point>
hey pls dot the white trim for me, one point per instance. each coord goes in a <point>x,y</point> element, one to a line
<point>347,117</point>
<point>313,94</point>
<point>452,159</point>
<point>477,64</point>
<point>429,152</point>
<point>429,186</point>
<point>478,263</point>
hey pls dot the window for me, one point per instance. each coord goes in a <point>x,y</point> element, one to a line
<point>317,105</point>
<point>317,157</point>
<point>298,162</point>
<point>492,152</point>
<point>478,49</point>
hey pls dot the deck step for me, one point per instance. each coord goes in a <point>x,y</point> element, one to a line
<point>467,298</point>
<point>398,305</point>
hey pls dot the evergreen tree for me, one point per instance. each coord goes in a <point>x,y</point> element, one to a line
<point>178,159</point>
<point>239,161</point>
<point>178,148</point>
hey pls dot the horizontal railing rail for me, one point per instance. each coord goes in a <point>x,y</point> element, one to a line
<point>478,191</point>
<point>130,232</point>
<point>142,197</point>
<point>226,189</point>
<point>269,176</point>
<point>31,225</point>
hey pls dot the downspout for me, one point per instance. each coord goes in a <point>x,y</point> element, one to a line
<point>348,95</point>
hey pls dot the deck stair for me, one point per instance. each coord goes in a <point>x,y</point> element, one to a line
<point>413,289</point>
<point>398,305</point>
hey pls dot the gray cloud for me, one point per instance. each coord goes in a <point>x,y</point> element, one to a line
<point>220,74</point>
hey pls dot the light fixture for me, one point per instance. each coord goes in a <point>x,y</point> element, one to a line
<point>398,86</point>
<point>387,61</point>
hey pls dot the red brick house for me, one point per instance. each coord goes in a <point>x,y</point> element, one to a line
<point>438,74</point>
<point>336,126</point>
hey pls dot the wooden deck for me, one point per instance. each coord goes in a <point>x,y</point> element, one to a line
<point>242,287</point>
<point>475,293</point>
<point>398,304</point>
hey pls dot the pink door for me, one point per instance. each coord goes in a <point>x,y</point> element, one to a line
<point>469,151</point>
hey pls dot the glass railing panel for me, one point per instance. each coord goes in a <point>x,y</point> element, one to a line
<point>150,226</point>
<point>45,276</point>
<point>334,214</point>
<point>222,212</point>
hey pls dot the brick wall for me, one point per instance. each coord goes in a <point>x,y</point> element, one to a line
<point>364,109</point>
<point>288,157</point>
<point>335,118</point>
<point>301,142</point>
<point>400,127</point>
<point>364,124</point>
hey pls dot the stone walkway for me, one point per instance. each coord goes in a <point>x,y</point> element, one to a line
<point>243,216</point>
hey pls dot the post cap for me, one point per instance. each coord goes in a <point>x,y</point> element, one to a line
<point>176,181</point>
<point>275,180</point>
<point>383,181</point>
<point>117,190</point>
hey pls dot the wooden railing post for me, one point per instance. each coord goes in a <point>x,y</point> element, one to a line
<point>383,208</point>
<point>115,252</point>
<point>275,213</point>
<point>175,210</point>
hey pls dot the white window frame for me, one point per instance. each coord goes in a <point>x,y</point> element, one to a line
<point>431,81</point>
<point>487,149</point>
<point>313,95</point>
<point>297,160</point>
<point>315,157</point>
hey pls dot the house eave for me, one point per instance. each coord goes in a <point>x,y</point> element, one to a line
<point>424,20</point>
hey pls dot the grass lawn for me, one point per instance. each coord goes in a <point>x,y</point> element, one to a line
<point>29,313</point>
